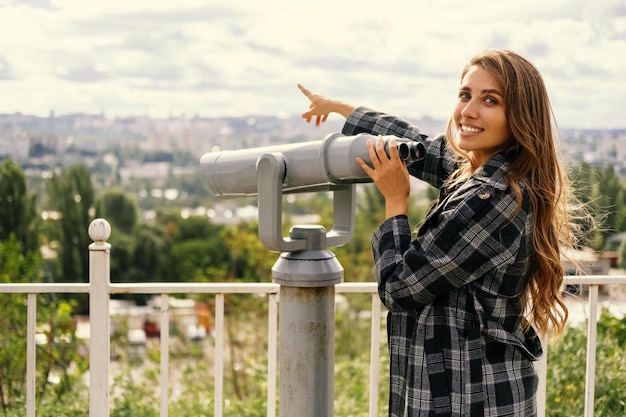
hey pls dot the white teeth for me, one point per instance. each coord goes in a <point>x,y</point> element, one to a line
<point>468,129</point>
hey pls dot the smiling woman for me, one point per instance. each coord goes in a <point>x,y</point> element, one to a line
<point>468,294</point>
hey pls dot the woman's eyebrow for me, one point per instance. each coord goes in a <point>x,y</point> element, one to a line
<point>483,92</point>
<point>491,91</point>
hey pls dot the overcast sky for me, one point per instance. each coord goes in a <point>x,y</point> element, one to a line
<point>244,57</point>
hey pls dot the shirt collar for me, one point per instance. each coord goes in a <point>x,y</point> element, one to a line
<point>493,172</point>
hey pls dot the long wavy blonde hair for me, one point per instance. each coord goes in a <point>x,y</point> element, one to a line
<point>533,161</point>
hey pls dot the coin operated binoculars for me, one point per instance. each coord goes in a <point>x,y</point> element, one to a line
<point>306,270</point>
<point>322,165</point>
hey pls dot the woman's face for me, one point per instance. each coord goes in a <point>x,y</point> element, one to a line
<point>480,116</point>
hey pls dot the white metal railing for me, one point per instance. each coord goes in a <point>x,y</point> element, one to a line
<point>100,289</point>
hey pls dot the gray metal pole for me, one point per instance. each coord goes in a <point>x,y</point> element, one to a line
<point>307,325</point>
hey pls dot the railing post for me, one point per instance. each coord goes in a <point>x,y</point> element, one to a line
<point>541,367</point>
<point>99,322</point>
<point>218,368</point>
<point>272,353</point>
<point>307,325</point>
<point>592,335</point>
<point>31,354</point>
<point>374,355</point>
<point>165,353</point>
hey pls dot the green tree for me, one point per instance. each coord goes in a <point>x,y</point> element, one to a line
<point>121,256</point>
<point>150,254</point>
<point>610,192</point>
<point>71,194</point>
<point>196,227</point>
<point>120,209</point>
<point>198,260</point>
<point>131,259</point>
<point>17,208</point>
<point>15,266</point>
<point>57,357</point>
<point>249,261</point>
<point>181,250</point>
<point>138,251</point>
<point>204,251</point>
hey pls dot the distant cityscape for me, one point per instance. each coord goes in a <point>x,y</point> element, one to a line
<point>44,143</point>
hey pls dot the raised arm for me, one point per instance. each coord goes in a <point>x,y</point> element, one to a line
<point>321,107</point>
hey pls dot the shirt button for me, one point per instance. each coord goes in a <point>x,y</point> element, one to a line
<point>484,194</point>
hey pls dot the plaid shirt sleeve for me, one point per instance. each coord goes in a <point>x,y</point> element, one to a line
<point>365,120</point>
<point>474,233</point>
<point>434,168</point>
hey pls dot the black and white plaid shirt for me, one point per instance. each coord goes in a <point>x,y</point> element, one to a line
<point>455,325</point>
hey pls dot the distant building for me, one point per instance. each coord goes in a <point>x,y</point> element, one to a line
<point>14,143</point>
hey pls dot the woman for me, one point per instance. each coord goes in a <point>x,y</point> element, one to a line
<point>466,295</point>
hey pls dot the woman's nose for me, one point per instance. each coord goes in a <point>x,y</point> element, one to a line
<point>470,110</point>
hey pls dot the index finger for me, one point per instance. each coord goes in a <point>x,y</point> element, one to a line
<point>305,91</point>
<point>393,149</point>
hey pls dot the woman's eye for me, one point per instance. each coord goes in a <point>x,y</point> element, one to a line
<point>464,96</point>
<point>491,100</point>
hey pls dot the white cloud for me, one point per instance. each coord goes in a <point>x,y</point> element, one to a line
<point>243,57</point>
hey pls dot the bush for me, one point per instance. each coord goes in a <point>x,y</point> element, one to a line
<point>567,368</point>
